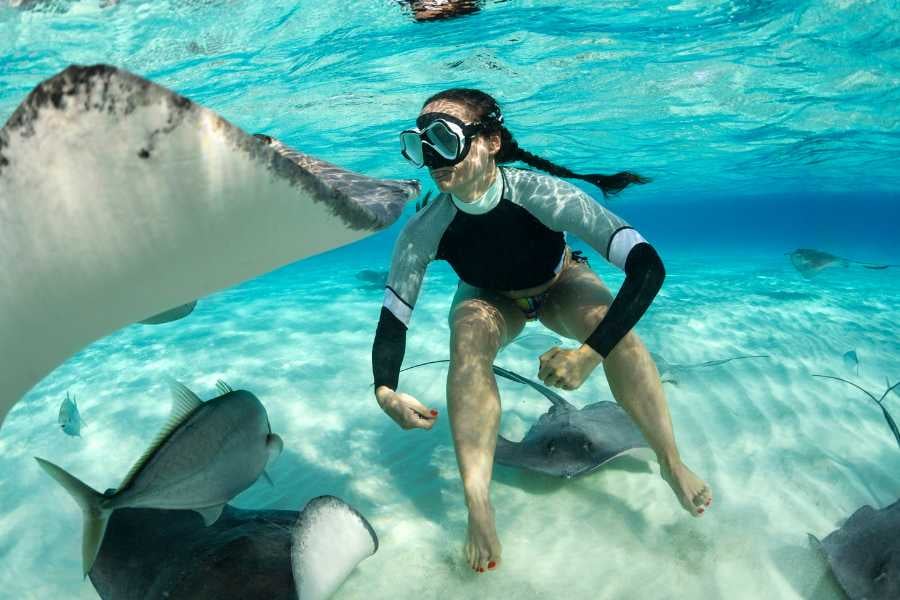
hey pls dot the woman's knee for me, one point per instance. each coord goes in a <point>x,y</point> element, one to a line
<point>476,327</point>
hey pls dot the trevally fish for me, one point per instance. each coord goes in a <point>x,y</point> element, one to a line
<point>206,454</point>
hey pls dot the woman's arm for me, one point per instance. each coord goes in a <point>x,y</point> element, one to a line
<point>565,207</point>
<point>644,275</point>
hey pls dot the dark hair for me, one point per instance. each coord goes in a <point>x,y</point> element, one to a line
<point>487,112</point>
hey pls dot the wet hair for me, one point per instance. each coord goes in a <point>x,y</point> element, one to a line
<point>487,112</point>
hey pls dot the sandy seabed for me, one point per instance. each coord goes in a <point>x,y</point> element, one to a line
<point>786,453</point>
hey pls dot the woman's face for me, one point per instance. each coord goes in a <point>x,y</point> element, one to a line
<point>479,162</point>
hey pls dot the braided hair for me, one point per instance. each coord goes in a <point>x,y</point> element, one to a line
<point>489,115</point>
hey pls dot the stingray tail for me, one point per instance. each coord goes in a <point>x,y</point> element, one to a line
<point>95,515</point>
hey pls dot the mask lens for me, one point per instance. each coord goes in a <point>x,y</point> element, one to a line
<point>411,147</point>
<point>444,141</point>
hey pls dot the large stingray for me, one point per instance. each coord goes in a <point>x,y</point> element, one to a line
<point>272,554</point>
<point>567,441</point>
<point>810,262</point>
<point>121,199</point>
<point>864,554</point>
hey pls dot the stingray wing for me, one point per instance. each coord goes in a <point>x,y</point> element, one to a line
<point>330,538</point>
<point>507,452</point>
<point>612,431</point>
<point>120,199</point>
<point>860,552</point>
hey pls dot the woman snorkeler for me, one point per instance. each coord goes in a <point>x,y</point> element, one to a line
<point>503,232</point>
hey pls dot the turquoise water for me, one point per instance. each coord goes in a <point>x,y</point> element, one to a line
<point>766,126</point>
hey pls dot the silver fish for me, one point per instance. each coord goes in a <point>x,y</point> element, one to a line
<point>206,454</point>
<point>69,419</point>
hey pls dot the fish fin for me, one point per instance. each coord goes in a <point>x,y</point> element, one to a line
<point>95,516</point>
<point>184,403</point>
<point>268,479</point>
<point>274,446</point>
<point>223,387</point>
<point>210,514</point>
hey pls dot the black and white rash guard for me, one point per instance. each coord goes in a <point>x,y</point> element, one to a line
<point>512,239</point>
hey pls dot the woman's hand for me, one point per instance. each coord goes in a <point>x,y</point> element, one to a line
<point>408,412</point>
<point>567,369</point>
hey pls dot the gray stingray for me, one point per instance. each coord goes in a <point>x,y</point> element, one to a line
<point>864,554</point>
<point>173,314</point>
<point>810,262</point>
<point>372,280</point>
<point>567,441</point>
<point>667,369</point>
<point>851,361</point>
<point>121,199</point>
<point>879,401</point>
<point>272,554</point>
<point>206,454</point>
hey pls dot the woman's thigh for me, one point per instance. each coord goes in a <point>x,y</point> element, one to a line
<point>481,319</point>
<point>576,303</point>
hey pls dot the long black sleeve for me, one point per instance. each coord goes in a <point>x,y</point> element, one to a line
<point>388,349</point>
<point>644,275</point>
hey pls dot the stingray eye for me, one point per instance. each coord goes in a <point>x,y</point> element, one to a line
<point>551,447</point>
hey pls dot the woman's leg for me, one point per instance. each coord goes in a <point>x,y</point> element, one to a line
<point>480,323</point>
<point>573,308</point>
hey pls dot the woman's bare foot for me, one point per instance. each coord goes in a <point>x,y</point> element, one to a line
<point>482,548</point>
<point>693,493</point>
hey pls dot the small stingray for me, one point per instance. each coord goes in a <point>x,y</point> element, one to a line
<point>567,441</point>
<point>878,401</point>
<point>372,280</point>
<point>864,554</point>
<point>810,262</point>
<point>69,419</point>
<point>851,361</point>
<point>667,369</point>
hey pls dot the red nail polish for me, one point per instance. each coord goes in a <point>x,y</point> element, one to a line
<point>700,511</point>
<point>491,565</point>
<point>480,570</point>
<point>433,413</point>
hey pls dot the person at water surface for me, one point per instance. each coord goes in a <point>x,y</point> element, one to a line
<point>502,230</point>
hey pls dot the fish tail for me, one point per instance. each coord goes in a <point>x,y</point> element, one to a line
<point>95,515</point>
